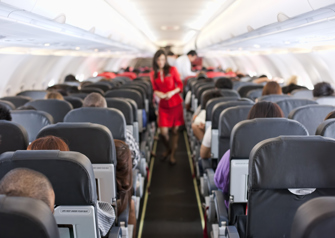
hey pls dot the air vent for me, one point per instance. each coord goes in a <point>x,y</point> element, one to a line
<point>282,17</point>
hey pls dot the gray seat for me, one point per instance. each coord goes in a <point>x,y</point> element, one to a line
<point>79,95</point>
<point>113,119</point>
<point>303,93</point>
<point>89,90</point>
<point>13,136</point>
<point>238,84</point>
<point>245,89</point>
<point>326,129</point>
<point>226,93</point>
<point>255,93</point>
<point>22,217</point>
<point>273,97</point>
<point>76,102</point>
<point>315,218</point>
<point>33,94</point>
<point>33,121</point>
<point>18,101</point>
<point>56,108</point>
<point>100,85</point>
<point>330,100</point>
<point>311,116</point>
<point>288,105</point>
<point>283,163</point>
<point>7,104</point>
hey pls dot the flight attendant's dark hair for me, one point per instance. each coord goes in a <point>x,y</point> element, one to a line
<point>155,67</point>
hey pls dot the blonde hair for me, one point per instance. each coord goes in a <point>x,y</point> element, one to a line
<point>54,95</point>
<point>292,80</point>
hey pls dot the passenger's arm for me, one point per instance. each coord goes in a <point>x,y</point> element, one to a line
<point>205,152</point>
<point>132,217</point>
<point>159,94</point>
<point>178,83</point>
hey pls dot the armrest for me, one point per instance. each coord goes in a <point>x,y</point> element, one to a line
<point>220,207</point>
<point>210,181</point>
<point>232,232</point>
<point>123,218</point>
<point>115,232</point>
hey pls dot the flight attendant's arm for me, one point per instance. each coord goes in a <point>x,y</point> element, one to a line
<point>177,81</point>
<point>159,94</point>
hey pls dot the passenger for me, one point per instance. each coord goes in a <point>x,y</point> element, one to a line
<point>331,115</point>
<point>22,182</point>
<point>183,64</point>
<point>96,100</point>
<point>261,79</point>
<point>124,180</point>
<point>70,78</point>
<point>48,143</point>
<point>171,58</point>
<point>5,113</point>
<point>259,110</point>
<point>54,95</point>
<point>271,88</point>
<point>323,89</point>
<point>292,84</point>
<point>224,83</point>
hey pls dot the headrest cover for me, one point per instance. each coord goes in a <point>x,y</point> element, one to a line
<point>246,134</point>
<point>17,100</point>
<point>302,93</point>
<point>76,102</point>
<point>330,100</point>
<point>230,117</point>
<point>326,128</point>
<point>287,105</point>
<point>133,107</point>
<point>113,119</point>
<point>7,104</point>
<point>34,94</point>
<point>32,217</point>
<point>270,158</point>
<point>93,140</point>
<point>273,98</point>
<point>212,102</point>
<point>13,136</point>
<point>123,106</point>
<point>244,89</point>
<point>70,173</point>
<point>127,93</point>
<point>255,93</point>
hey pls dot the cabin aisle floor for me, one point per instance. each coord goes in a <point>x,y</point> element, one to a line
<point>172,209</point>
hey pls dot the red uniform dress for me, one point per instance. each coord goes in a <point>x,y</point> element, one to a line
<point>170,112</point>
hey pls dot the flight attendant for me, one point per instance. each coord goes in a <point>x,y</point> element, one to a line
<point>167,85</point>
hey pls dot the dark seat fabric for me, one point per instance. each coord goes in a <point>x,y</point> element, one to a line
<point>18,101</point>
<point>13,136</point>
<point>138,87</point>
<point>76,102</point>
<point>113,119</point>
<point>218,108</point>
<point>100,85</point>
<point>255,93</point>
<point>227,120</point>
<point>315,218</point>
<point>7,104</point>
<point>302,93</point>
<point>33,121</point>
<point>238,84</point>
<point>311,116</point>
<point>56,108</point>
<point>33,94</point>
<point>123,106</point>
<point>133,107</point>
<point>283,163</point>
<point>226,93</point>
<point>288,105</point>
<point>93,140</point>
<point>79,95</point>
<point>201,90</point>
<point>326,128</point>
<point>273,97</point>
<point>243,90</point>
<point>22,217</point>
<point>212,102</point>
<point>127,93</point>
<point>89,90</point>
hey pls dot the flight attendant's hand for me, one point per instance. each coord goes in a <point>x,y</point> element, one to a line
<point>169,95</point>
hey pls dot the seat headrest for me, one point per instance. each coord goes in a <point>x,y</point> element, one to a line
<point>273,98</point>
<point>133,106</point>
<point>246,134</point>
<point>269,158</point>
<point>103,86</point>
<point>70,173</point>
<point>218,108</point>
<point>230,117</point>
<point>123,106</point>
<point>244,89</point>
<point>326,129</point>
<point>33,94</point>
<point>226,93</point>
<point>79,95</point>
<point>26,217</point>
<point>302,93</point>
<point>255,93</point>
<point>33,121</point>
<point>90,89</point>
<point>113,119</point>
<point>140,88</point>
<point>93,140</point>
<point>7,104</point>
<point>212,102</point>
<point>18,101</point>
<point>76,102</point>
<point>13,136</point>
<point>127,93</point>
<point>311,116</point>
<point>330,100</point>
<point>287,105</point>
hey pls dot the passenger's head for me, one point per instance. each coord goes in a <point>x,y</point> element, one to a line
<point>95,100</point>
<point>85,83</point>
<point>123,173</point>
<point>292,80</point>
<point>5,113</point>
<point>160,62</point>
<point>23,182</point>
<point>224,83</point>
<point>192,55</point>
<point>48,143</point>
<point>70,78</point>
<point>264,110</point>
<point>322,90</point>
<point>271,87</point>
<point>54,95</point>
<point>170,53</point>
<point>331,115</point>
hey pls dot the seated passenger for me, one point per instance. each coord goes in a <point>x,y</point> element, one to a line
<point>48,143</point>
<point>292,84</point>
<point>259,110</point>
<point>271,88</point>
<point>124,180</point>
<point>54,95</point>
<point>96,100</point>
<point>5,113</point>
<point>323,89</point>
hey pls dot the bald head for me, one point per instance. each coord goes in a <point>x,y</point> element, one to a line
<point>95,100</point>
<point>28,183</point>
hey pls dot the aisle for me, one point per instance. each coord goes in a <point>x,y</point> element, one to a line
<point>172,209</point>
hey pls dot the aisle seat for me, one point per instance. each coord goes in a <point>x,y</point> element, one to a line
<point>33,94</point>
<point>18,101</point>
<point>289,104</point>
<point>13,136</point>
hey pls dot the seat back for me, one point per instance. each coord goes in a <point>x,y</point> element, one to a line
<point>7,104</point>
<point>303,93</point>
<point>289,104</point>
<point>279,164</point>
<point>89,90</point>
<point>33,94</point>
<point>76,102</point>
<point>326,129</point>
<point>79,95</point>
<point>100,151</point>
<point>32,217</point>
<point>18,101</point>
<point>315,218</point>
<point>100,85</point>
<point>244,136</point>
<point>33,121</point>
<point>311,116</point>
<point>243,90</point>
<point>273,97</point>
<point>13,136</point>
<point>255,93</point>
<point>141,89</point>
<point>113,119</point>
<point>226,93</point>
<point>72,178</point>
<point>330,100</point>
<point>56,108</point>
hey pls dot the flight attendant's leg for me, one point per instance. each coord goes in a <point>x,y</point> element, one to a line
<point>164,134</point>
<point>174,144</point>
